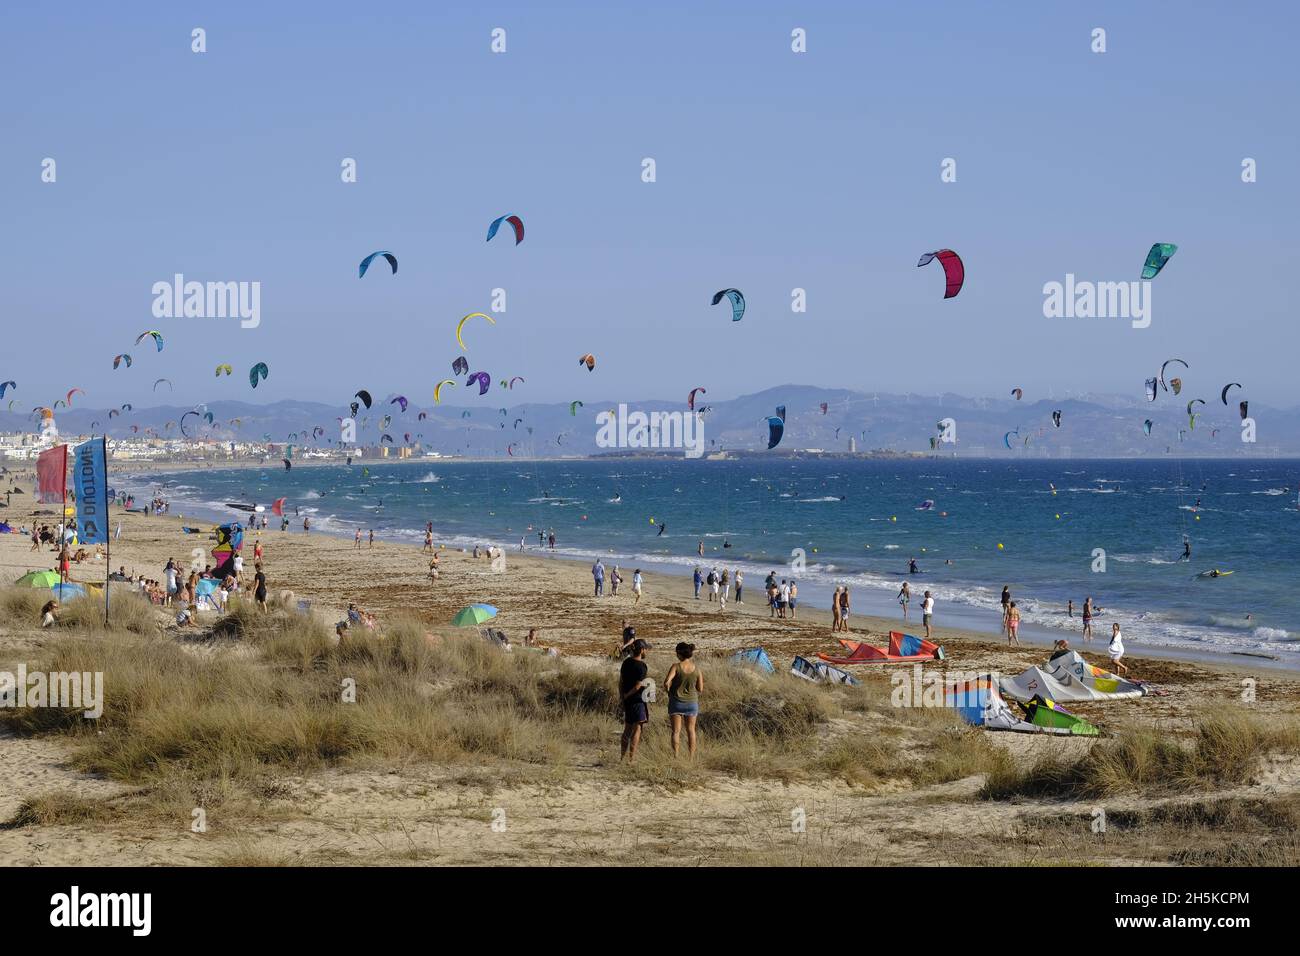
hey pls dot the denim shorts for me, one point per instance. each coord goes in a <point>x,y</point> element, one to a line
<point>683,708</point>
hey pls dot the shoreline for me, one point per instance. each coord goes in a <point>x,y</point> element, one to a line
<point>673,582</point>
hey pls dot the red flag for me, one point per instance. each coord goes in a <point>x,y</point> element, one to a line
<point>52,475</point>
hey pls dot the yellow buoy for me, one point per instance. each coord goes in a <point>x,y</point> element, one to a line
<point>999,545</point>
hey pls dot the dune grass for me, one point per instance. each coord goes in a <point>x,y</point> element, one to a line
<point>1226,747</point>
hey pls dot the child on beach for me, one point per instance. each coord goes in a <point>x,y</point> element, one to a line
<point>1116,649</point>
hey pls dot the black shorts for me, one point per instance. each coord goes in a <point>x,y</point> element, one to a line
<point>635,711</point>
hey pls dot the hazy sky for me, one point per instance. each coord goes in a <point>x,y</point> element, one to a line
<point>775,170</point>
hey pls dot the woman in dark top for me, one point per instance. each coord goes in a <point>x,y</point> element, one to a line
<point>259,583</point>
<point>631,684</point>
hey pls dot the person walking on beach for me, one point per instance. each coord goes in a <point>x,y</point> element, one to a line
<point>927,613</point>
<point>428,541</point>
<point>631,683</point>
<point>615,579</point>
<point>169,575</point>
<point>835,610</point>
<point>782,599</point>
<point>740,584</point>
<point>844,609</point>
<point>1087,618</point>
<point>551,540</point>
<point>356,541</point>
<point>257,551</point>
<point>724,584</point>
<point>685,684</point>
<point>712,581</point>
<point>372,539</point>
<point>904,596</point>
<point>636,585</point>
<point>306,525</point>
<point>598,575</point>
<point>794,599</point>
<point>1006,604</point>
<point>1013,624</point>
<point>1116,649</point>
<point>1069,608</point>
<point>700,549</point>
<point>699,580</point>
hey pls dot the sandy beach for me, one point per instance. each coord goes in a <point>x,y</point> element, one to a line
<point>578,805</point>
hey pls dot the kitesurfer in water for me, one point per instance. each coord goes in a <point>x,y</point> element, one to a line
<point>911,566</point>
<point>1187,549</point>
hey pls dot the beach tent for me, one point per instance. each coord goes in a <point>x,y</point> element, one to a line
<point>68,590</point>
<point>754,657</point>
<point>979,704</point>
<point>38,579</point>
<point>1069,677</point>
<point>903,649</point>
<point>820,672</point>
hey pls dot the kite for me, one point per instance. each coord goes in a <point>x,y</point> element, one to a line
<point>460,366</point>
<point>465,413</point>
<point>118,360</point>
<point>690,399</point>
<point>1224,394</point>
<point>223,367</point>
<point>517,421</point>
<point>1151,389</point>
<point>737,302</point>
<point>1056,418</point>
<point>1193,402</point>
<point>68,397</point>
<point>364,396</point>
<point>437,390</point>
<point>1165,366</point>
<point>257,370</point>
<point>484,381</point>
<point>824,407</point>
<point>183,417</point>
<point>1146,426</point>
<point>1243,406</point>
<point>515,222</point>
<point>423,415</point>
<point>775,429</point>
<point>1176,384</point>
<point>6,385</point>
<point>573,408</point>
<point>461,324</point>
<point>517,378</point>
<point>385,438</point>
<point>953,270</point>
<point>588,360</point>
<point>510,449</point>
<point>365,263</point>
<point>1018,393</point>
<point>1006,439</point>
<point>129,407</point>
<point>387,420</point>
<point>157,338</point>
<point>170,386</point>
<point>399,400</point>
<point>406,437</point>
<point>1160,253</point>
<point>112,412</point>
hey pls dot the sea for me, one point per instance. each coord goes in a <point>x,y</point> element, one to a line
<point>1053,531</point>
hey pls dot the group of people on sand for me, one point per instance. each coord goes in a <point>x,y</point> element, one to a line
<point>719,585</point>
<point>684,685</point>
<point>1114,648</point>
<point>615,577</point>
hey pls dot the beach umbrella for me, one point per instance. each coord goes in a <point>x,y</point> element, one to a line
<point>68,590</point>
<point>38,579</point>
<point>473,615</point>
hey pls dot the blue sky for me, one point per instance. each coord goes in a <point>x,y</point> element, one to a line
<point>775,171</point>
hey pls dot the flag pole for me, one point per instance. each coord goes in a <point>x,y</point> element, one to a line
<point>108,537</point>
